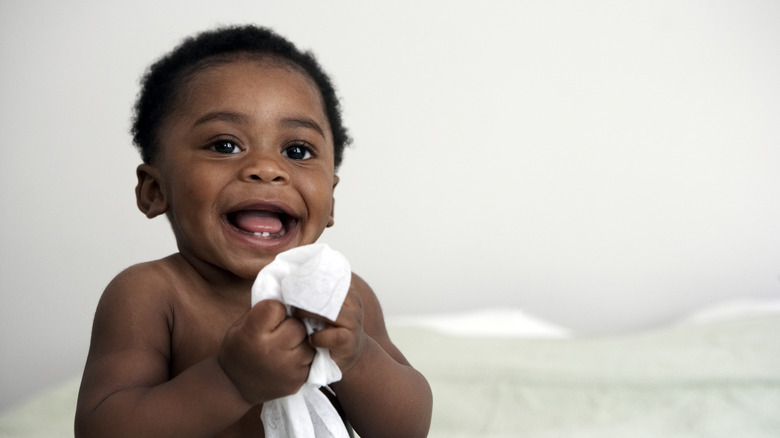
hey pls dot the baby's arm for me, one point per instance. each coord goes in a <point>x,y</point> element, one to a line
<point>127,389</point>
<point>382,395</point>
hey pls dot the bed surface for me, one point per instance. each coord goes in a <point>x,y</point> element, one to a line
<point>502,373</point>
<point>719,379</point>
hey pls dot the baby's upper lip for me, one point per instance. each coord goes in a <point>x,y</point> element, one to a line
<point>258,205</point>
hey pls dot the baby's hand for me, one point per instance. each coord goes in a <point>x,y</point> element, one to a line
<point>345,337</point>
<point>266,354</point>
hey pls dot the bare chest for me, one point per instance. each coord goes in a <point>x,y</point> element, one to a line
<point>198,326</point>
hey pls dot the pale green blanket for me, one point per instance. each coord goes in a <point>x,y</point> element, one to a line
<point>714,380</point>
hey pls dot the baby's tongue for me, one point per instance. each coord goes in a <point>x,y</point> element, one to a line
<point>255,221</point>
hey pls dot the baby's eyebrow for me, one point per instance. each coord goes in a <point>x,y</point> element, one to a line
<point>223,116</point>
<point>292,123</point>
<point>238,118</point>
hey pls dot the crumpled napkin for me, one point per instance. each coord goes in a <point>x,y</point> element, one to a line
<point>314,278</point>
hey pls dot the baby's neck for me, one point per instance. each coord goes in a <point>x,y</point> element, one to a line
<point>216,280</point>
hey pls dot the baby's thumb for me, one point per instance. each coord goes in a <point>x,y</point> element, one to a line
<point>266,315</point>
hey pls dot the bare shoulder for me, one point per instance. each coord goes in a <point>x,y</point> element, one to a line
<point>130,343</point>
<point>136,292</point>
<point>144,280</point>
<point>373,318</point>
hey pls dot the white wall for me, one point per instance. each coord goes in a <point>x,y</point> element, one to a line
<point>608,165</point>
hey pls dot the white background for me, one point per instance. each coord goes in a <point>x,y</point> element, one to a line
<point>607,165</point>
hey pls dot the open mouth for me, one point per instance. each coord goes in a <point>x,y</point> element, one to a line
<point>261,223</point>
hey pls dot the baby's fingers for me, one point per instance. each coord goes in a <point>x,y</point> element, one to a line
<point>346,347</point>
<point>332,338</point>
<point>300,314</point>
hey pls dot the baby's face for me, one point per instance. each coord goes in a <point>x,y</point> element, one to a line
<point>246,165</point>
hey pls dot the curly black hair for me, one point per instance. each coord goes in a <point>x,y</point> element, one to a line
<point>162,84</point>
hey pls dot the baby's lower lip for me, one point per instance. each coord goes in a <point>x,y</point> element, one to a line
<point>264,237</point>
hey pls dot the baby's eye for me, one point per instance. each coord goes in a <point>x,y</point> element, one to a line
<point>297,152</point>
<point>225,147</point>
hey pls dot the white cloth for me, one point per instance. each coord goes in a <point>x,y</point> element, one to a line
<point>316,279</point>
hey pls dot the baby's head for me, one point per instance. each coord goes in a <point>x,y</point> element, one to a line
<point>241,137</point>
<point>162,86</point>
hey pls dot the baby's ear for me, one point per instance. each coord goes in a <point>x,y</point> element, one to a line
<point>148,193</point>
<point>332,218</point>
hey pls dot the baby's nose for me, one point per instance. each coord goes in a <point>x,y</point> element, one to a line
<point>264,168</point>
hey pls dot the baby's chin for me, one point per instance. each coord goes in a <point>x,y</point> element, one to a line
<point>253,253</point>
<point>248,270</point>
<point>249,267</point>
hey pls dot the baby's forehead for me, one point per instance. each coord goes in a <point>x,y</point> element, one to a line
<point>260,59</point>
<point>214,70</point>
